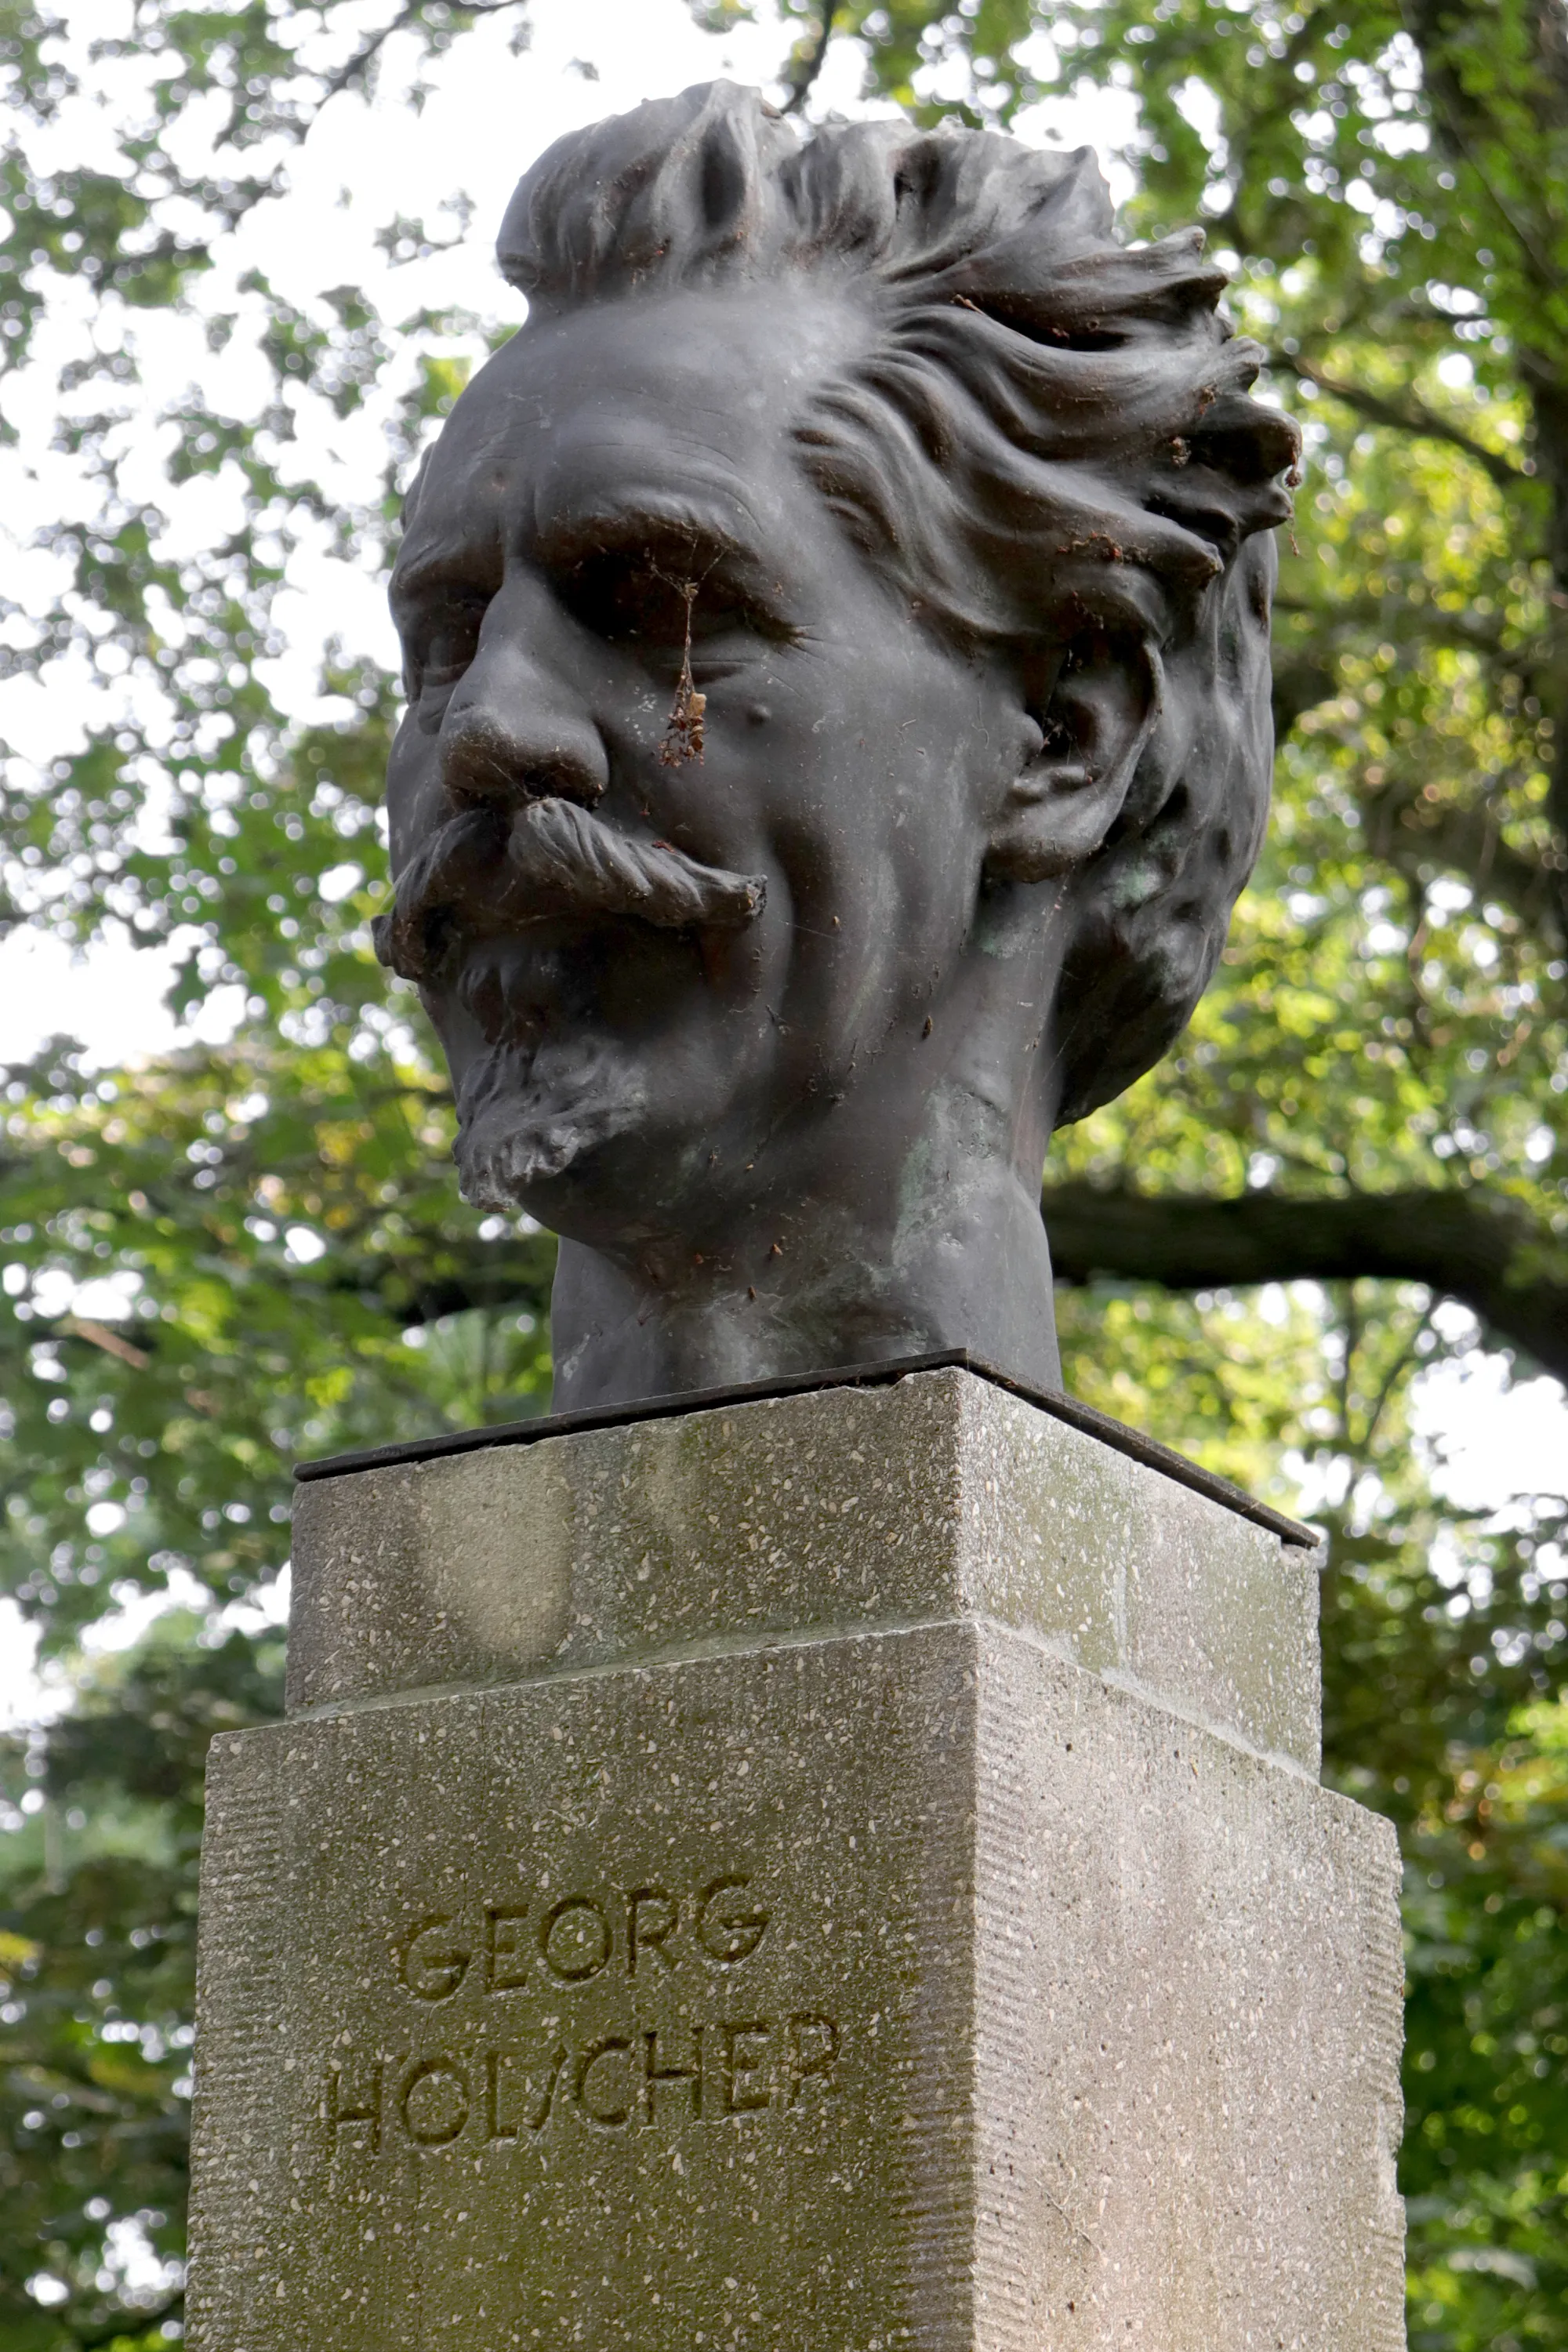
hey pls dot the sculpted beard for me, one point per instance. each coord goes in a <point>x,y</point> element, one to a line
<point>535,1099</point>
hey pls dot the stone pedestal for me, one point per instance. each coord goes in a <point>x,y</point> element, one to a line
<point>810,1875</point>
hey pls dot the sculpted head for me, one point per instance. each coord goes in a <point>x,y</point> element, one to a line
<point>836,632</point>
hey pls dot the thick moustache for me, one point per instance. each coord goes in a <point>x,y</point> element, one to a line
<point>489,870</point>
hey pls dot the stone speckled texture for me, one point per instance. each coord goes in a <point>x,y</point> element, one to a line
<point>941,1496</point>
<point>827,1988</point>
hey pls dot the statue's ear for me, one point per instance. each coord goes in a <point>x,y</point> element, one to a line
<point>1093,706</point>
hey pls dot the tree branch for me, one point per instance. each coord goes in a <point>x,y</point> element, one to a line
<point>1299,686</point>
<point>354,68</point>
<point>1342,619</point>
<point>1415,418</point>
<point>801,86</point>
<point>1411,833</point>
<point>1466,1244</point>
<point>465,1275</point>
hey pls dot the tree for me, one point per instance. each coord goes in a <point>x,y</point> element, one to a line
<point>250,1251</point>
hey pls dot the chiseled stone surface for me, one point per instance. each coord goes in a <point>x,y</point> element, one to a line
<point>908,1987</point>
<point>1189,1978</point>
<point>813,1876</point>
<point>941,1496</point>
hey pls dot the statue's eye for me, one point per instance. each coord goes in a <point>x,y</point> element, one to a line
<point>651,603</point>
<point>632,597</point>
<point>445,641</point>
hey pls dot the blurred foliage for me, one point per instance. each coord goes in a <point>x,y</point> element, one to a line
<point>218,1261</point>
<point>99,2040</point>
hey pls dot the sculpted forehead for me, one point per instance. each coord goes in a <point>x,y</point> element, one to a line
<point>693,395</point>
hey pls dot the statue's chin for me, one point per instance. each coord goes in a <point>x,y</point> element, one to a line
<point>527,1115</point>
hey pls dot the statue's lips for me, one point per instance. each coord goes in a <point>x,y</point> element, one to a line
<point>489,870</point>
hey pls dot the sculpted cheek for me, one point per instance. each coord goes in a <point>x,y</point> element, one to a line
<point>414,798</point>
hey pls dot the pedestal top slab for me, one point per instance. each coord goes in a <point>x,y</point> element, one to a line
<point>941,1496</point>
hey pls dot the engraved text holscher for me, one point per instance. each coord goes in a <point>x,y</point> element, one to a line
<point>635,2073</point>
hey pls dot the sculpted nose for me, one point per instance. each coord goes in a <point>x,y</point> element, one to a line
<point>515,730</point>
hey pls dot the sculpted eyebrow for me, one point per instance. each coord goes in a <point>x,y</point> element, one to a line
<point>450,566</point>
<point>701,532</point>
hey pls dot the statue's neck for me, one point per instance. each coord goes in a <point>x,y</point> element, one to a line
<point>954,1257</point>
<point>896,1213</point>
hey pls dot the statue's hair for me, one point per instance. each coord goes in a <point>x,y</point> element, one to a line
<point>1048,438</point>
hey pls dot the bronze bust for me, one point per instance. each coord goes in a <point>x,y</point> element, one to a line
<point>836,632</point>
